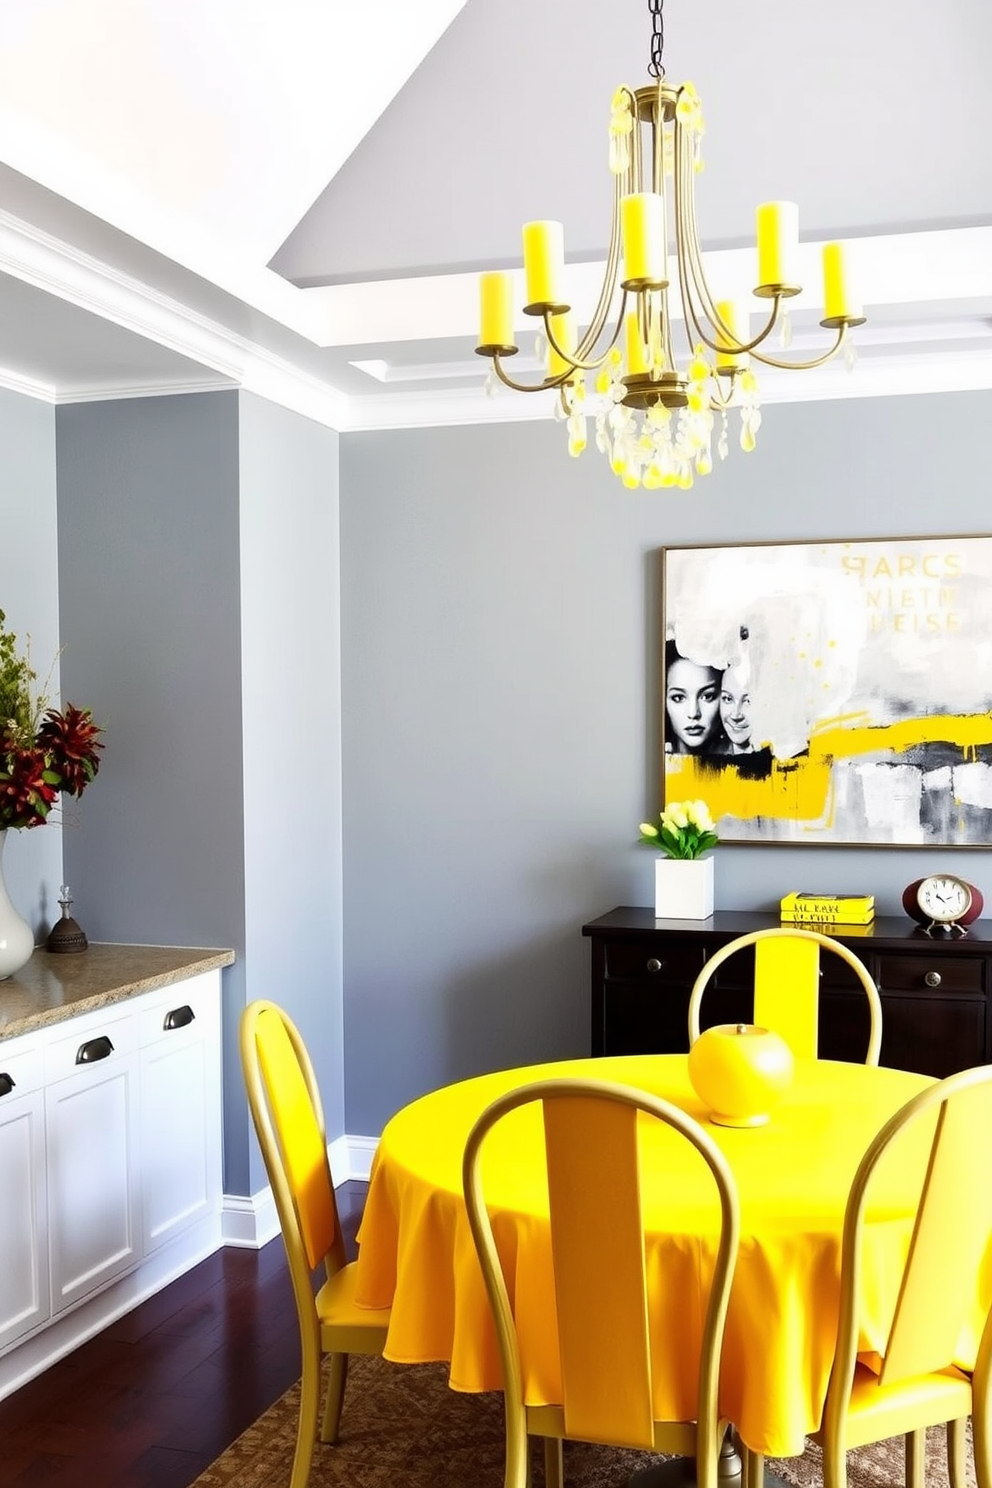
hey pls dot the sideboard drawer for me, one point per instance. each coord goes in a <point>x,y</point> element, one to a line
<point>927,974</point>
<point>666,962</point>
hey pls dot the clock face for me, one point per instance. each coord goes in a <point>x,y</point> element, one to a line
<point>944,898</point>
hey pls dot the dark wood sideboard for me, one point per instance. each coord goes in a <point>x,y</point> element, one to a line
<point>935,990</point>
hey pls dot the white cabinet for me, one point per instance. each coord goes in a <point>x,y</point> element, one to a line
<point>179,1106</point>
<point>110,1165</point>
<point>24,1295</point>
<point>91,1153</point>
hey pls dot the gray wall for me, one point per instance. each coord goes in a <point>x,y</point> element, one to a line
<point>500,604</point>
<point>290,665</point>
<point>29,598</point>
<point>150,613</point>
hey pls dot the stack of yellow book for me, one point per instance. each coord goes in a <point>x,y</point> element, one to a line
<point>828,909</point>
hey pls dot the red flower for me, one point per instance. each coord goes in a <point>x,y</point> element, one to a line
<point>28,788</point>
<point>72,744</point>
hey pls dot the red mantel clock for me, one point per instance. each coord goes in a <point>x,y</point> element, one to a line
<point>942,901</point>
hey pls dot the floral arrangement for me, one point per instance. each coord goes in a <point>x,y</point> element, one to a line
<point>44,752</point>
<point>683,830</point>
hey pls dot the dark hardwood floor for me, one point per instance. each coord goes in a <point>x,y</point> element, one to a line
<point>151,1401</point>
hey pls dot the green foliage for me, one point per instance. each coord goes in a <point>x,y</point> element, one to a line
<point>18,710</point>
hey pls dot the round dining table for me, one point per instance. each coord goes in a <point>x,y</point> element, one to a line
<point>793,1176</point>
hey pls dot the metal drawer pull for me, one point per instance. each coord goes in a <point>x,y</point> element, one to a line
<point>179,1017</point>
<point>932,978</point>
<point>6,1083</point>
<point>94,1049</point>
<point>654,964</point>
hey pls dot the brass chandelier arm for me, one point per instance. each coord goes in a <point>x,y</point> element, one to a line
<point>690,259</point>
<point>788,366</point>
<point>576,358</point>
<point>527,387</point>
<point>724,405</point>
<point>623,184</point>
<point>689,254</point>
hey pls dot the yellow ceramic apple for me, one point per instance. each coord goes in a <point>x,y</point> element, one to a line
<point>741,1072</point>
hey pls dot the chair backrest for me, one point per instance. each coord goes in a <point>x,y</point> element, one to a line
<point>949,1250</point>
<point>787,985</point>
<point>600,1286</point>
<point>289,1122</point>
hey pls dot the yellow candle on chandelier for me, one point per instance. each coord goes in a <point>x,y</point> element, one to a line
<point>837,304</point>
<point>735,318</point>
<point>778,242</point>
<point>642,221</point>
<point>564,331</point>
<point>496,309</point>
<point>544,262</point>
<point>637,352</point>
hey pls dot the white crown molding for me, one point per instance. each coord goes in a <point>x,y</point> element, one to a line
<point>99,393</point>
<point>30,387</point>
<point>37,258</point>
<point>884,376</point>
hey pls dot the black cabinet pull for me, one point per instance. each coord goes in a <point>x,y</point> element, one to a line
<point>6,1083</point>
<point>94,1049</point>
<point>179,1017</point>
<point>654,964</point>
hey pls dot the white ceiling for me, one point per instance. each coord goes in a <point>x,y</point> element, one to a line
<point>263,193</point>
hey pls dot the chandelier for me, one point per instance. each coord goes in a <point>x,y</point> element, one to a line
<point>659,410</point>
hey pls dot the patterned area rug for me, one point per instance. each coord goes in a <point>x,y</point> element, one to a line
<point>402,1425</point>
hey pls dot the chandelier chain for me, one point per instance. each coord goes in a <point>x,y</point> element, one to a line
<point>655,66</point>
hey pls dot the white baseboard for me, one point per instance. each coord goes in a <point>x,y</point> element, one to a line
<point>253,1222</point>
<point>357,1160</point>
<point>249,1223</point>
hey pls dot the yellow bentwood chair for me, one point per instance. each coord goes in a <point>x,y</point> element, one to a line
<point>948,1264</point>
<point>786,986</point>
<point>600,1292</point>
<point>289,1121</point>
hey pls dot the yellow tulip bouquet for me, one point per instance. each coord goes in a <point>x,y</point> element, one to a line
<point>683,830</point>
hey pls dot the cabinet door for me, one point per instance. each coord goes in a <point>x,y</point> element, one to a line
<point>92,1172</point>
<point>642,1019</point>
<point>179,1103</point>
<point>932,1035</point>
<point>24,1296</point>
<point>641,997</point>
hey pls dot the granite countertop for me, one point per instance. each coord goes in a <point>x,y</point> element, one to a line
<point>52,988</point>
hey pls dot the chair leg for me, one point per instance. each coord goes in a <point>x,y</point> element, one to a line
<point>306,1433</point>
<point>916,1458</point>
<point>834,1464</point>
<point>957,1448</point>
<point>554,1468</point>
<point>334,1399</point>
<point>753,1474</point>
<point>982,1429</point>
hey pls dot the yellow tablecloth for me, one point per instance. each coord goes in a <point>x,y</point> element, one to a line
<point>793,1177</point>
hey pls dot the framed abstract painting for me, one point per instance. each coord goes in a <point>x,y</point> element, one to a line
<point>832,692</point>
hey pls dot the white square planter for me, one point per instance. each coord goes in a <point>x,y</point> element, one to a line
<point>683,888</point>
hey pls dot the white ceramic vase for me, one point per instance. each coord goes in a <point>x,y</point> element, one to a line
<point>16,935</point>
<point>683,888</point>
